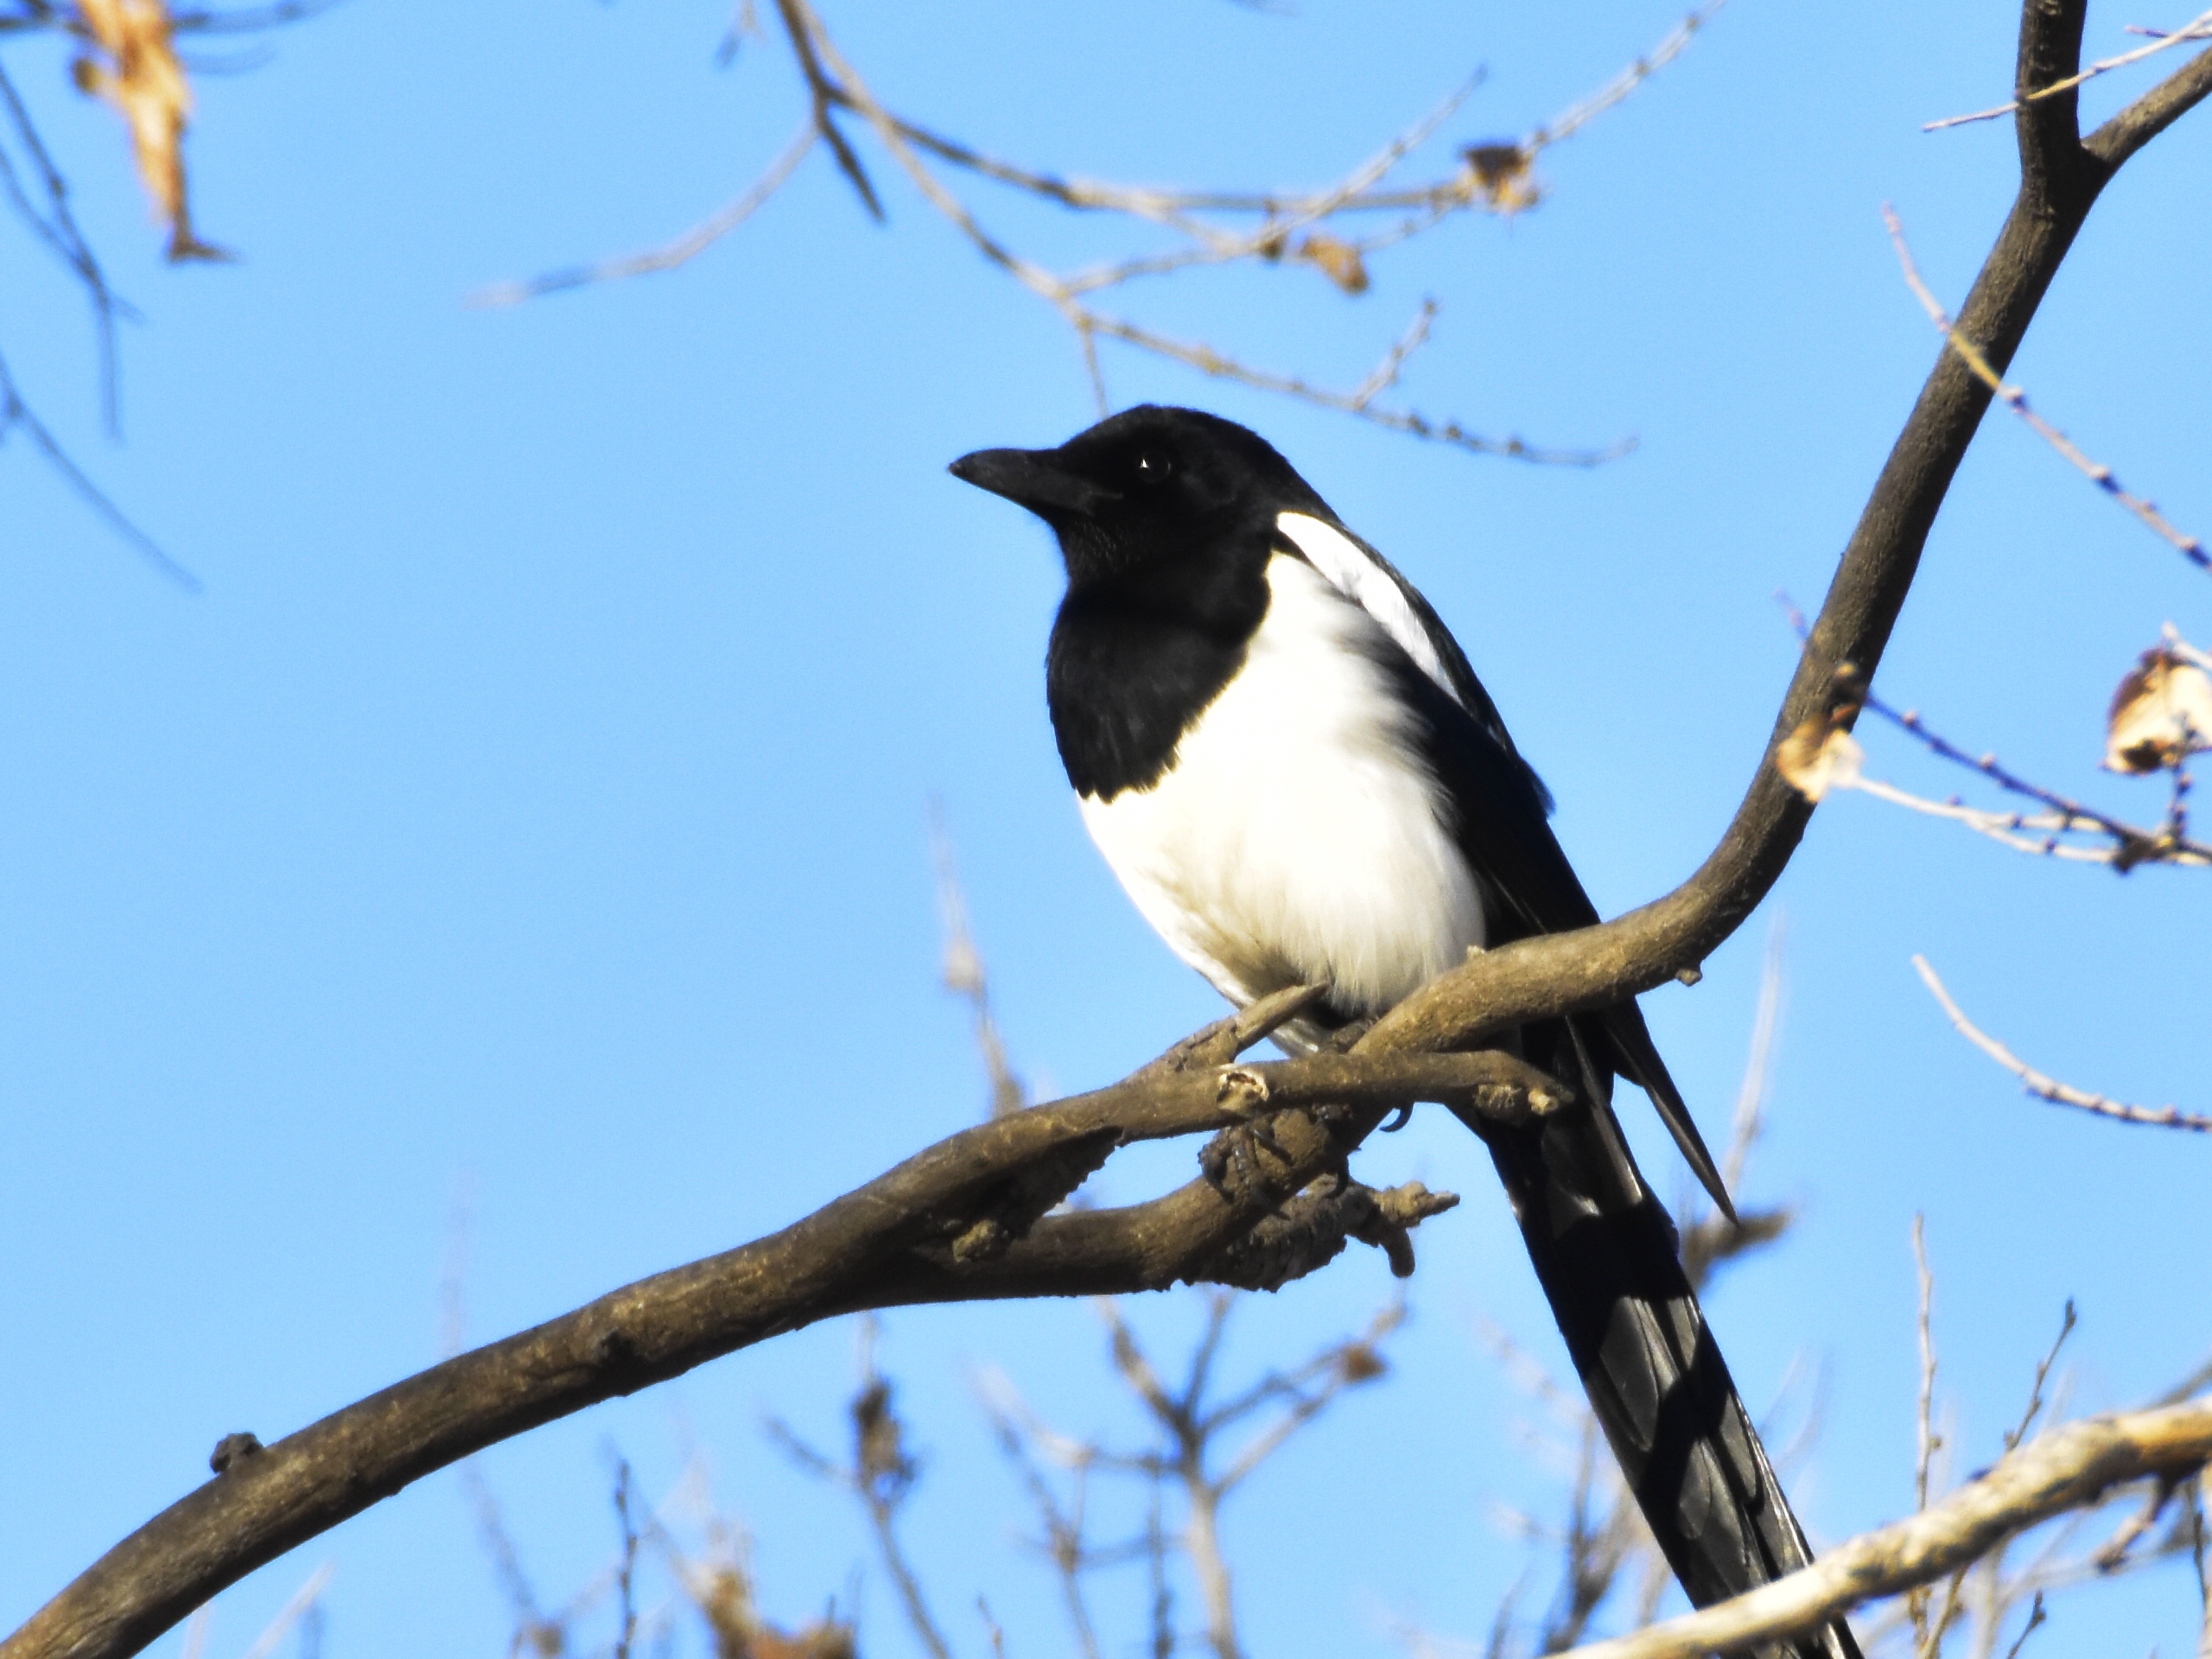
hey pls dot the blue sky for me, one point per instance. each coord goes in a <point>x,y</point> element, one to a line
<point>533,805</point>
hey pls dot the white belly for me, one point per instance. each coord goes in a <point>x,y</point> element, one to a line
<point>1298,837</point>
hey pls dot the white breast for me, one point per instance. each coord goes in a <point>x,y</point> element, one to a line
<point>1298,836</point>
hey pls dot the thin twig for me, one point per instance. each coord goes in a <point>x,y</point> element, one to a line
<point>669,255</point>
<point>804,29</point>
<point>1580,115</point>
<point>15,414</point>
<point>305,1597</point>
<point>882,1476</point>
<point>625,1573</point>
<point>2035,1619</point>
<point>1925,1439</point>
<point>2066,1323</point>
<point>2200,28</point>
<point>2045,828</point>
<point>2203,1501</point>
<point>1062,1542</point>
<point>2045,1087</point>
<point>1209,361</point>
<point>1757,1085</point>
<point>2131,844</point>
<point>964,974</point>
<point>2190,547</point>
<point>57,227</point>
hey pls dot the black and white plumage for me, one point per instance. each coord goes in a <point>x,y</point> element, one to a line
<point>1288,761</point>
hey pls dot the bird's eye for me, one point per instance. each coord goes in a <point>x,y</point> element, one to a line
<point>1153,468</point>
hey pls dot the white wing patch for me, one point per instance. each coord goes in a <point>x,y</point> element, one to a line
<point>1347,569</point>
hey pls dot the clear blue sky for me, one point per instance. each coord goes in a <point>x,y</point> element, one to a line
<point>533,803</point>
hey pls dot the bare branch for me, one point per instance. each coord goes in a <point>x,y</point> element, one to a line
<point>2041,833</point>
<point>2066,1324</point>
<point>2203,1502</point>
<point>1925,1439</point>
<point>55,225</point>
<point>965,975</point>
<point>1359,402</point>
<point>669,255</point>
<point>2199,29</point>
<point>1062,1542</point>
<point>2152,113</point>
<point>2190,547</point>
<point>15,415</point>
<point>2069,1468</point>
<point>804,29</point>
<point>302,1603</point>
<point>2044,1087</point>
<point>1573,119</point>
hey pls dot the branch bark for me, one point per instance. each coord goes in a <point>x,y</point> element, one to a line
<point>924,1231</point>
<point>2069,1468</point>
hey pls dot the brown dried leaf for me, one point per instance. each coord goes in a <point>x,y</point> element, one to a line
<point>2161,714</point>
<point>1503,176</point>
<point>135,67</point>
<point>1818,757</point>
<point>880,1440</point>
<point>827,1640</point>
<point>1359,1362</point>
<point>1338,261</point>
<point>724,1599</point>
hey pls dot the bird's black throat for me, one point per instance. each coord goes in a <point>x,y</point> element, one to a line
<point>1137,657</point>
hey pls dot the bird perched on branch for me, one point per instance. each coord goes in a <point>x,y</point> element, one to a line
<point>1288,763</point>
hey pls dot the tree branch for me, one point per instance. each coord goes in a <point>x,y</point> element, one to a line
<point>958,1222</point>
<point>2060,177</point>
<point>2070,1468</point>
<point>2046,1087</point>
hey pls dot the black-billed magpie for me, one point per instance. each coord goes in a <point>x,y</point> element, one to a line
<point>1289,763</point>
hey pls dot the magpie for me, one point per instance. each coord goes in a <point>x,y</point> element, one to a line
<point>1290,766</point>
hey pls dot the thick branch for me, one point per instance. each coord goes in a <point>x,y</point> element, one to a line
<point>958,1222</point>
<point>2070,1468</point>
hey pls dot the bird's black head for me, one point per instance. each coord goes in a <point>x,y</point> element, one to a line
<point>1147,488</point>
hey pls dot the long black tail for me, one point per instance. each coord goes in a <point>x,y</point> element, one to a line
<point>1607,1255</point>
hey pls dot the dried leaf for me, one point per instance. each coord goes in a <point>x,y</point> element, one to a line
<point>1338,261</point>
<point>2161,714</point>
<point>1359,1362</point>
<point>135,68</point>
<point>1503,176</point>
<point>1818,757</point>
<point>724,1599</point>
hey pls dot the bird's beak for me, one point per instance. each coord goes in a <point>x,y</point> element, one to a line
<point>1036,479</point>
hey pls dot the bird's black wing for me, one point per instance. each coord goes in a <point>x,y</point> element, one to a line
<point>1502,810</point>
<point>1605,1249</point>
<point>1459,674</point>
<point>1503,802</point>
